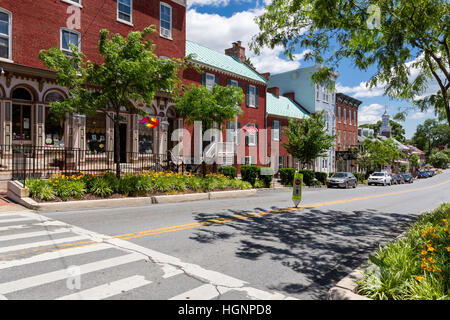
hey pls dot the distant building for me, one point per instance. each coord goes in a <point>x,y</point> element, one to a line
<point>385,129</point>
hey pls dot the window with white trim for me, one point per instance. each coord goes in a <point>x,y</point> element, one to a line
<point>251,137</point>
<point>5,34</point>
<point>234,83</point>
<point>75,2</point>
<point>252,96</point>
<point>165,18</point>
<point>69,37</point>
<point>210,81</point>
<point>345,115</point>
<point>276,131</point>
<point>339,114</point>
<point>125,11</point>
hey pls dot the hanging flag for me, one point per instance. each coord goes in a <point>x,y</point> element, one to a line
<point>251,129</point>
<point>150,122</point>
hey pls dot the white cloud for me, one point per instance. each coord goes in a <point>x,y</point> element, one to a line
<point>218,32</point>
<point>361,91</point>
<point>371,113</point>
<point>200,3</point>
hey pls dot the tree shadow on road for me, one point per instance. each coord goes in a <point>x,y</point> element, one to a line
<point>321,245</point>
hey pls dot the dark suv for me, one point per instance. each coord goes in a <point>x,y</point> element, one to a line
<point>407,177</point>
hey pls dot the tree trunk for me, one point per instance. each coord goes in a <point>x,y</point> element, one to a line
<point>117,144</point>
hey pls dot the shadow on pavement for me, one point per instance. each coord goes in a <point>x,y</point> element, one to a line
<point>321,245</point>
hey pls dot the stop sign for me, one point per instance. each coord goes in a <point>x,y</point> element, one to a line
<point>298,182</point>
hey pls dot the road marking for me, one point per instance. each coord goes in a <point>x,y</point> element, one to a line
<point>54,255</point>
<point>15,220</point>
<point>32,234</point>
<point>204,292</point>
<point>109,289</point>
<point>17,226</point>
<point>49,277</point>
<point>40,244</point>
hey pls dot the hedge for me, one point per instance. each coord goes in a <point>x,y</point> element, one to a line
<point>228,171</point>
<point>308,176</point>
<point>322,177</point>
<point>250,173</point>
<point>266,176</point>
<point>287,176</point>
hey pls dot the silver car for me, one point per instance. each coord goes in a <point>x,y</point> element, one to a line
<point>342,179</point>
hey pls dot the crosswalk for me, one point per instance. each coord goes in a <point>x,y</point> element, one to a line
<point>44,259</point>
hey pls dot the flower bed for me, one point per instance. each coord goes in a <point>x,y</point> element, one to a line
<point>416,267</point>
<point>150,183</point>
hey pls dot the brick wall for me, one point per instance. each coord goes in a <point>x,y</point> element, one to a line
<point>37,24</point>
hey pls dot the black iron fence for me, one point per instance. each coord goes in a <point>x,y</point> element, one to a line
<point>42,162</point>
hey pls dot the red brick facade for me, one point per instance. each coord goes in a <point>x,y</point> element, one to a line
<point>37,24</point>
<point>346,122</point>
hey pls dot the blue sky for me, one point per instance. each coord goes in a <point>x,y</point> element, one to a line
<point>218,23</point>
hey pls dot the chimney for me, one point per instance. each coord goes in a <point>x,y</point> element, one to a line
<point>290,95</point>
<point>266,75</point>
<point>275,91</point>
<point>237,51</point>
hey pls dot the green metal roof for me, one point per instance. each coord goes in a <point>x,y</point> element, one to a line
<point>221,61</point>
<point>284,107</point>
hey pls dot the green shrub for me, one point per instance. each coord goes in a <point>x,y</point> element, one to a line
<point>330,174</point>
<point>240,184</point>
<point>250,173</point>
<point>321,176</point>
<point>46,193</point>
<point>359,176</point>
<point>415,267</point>
<point>40,189</point>
<point>194,183</point>
<point>228,171</point>
<point>259,184</point>
<point>163,184</point>
<point>126,185</point>
<point>223,183</point>
<point>112,181</point>
<point>209,184</point>
<point>287,176</point>
<point>266,176</point>
<point>67,188</point>
<point>308,176</point>
<point>100,187</point>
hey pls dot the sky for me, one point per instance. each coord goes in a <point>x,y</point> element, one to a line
<point>218,23</point>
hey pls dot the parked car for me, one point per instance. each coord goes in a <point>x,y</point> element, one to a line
<point>422,175</point>
<point>407,177</point>
<point>382,178</point>
<point>394,179</point>
<point>342,179</point>
<point>431,173</point>
<point>399,178</point>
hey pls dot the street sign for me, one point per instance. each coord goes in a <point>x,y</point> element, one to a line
<point>297,189</point>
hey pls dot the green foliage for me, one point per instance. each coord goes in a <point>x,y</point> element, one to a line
<point>308,139</point>
<point>431,134</point>
<point>361,177</point>
<point>397,130</point>
<point>321,176</point>
<point>380,153</point>
<point>308,176</point>
<point>439,160</point>
<point>228,171</point>
<point>250,173</point>
<point>416,267</point>
<point>240,184</point>
<point>330,174</point>
<point>414,161</point>
<point>259,184</point>
<point>201,104</point>
<point>101,187</point>
<point>287,176</point>
<point>67,189</point>
<point>130,70</point>
<point>391,37</point>
<point>266,176</point>
<point>40,189</point>
<point>127,184</point>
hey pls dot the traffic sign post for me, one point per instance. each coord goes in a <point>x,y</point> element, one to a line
<point>297,189</point>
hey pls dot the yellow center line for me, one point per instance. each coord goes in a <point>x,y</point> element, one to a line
<point>193,225</point>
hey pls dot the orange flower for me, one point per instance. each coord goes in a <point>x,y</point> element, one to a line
<point>419,278</point>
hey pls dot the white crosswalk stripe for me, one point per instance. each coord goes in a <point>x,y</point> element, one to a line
<point>49,277</point>
<point>14,227</point>
<point>55,255</point>
<point>32,234</point>
<point>204,292</point>
<point>41,244</point>
<point>108,290</point>
<point>15,220</point>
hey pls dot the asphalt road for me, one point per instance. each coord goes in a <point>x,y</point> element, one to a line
<point>248,248</point>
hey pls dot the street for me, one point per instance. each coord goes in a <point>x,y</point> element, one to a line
<point>247,248</point>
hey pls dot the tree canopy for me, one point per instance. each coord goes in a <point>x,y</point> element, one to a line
<point>130,74</point>
<point>408,42</point>
<point>308,139</point>
<point>397,130</point>
<point>431,134</point>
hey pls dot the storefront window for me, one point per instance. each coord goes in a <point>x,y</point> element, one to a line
<point>96,133</point>
<point>146,135</point>
<point>54,129</point>
<point>21,118</point>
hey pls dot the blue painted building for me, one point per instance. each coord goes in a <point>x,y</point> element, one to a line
<point>298,86</point>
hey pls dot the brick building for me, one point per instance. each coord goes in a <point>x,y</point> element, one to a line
<point>230,69</point>
<point>27,87</point>
<point>346,132</point>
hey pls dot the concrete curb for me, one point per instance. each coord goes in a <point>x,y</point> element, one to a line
<point>131,202</point>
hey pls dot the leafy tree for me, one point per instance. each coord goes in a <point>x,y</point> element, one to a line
<point>208,106</point>
<point>131,73</point>
<point>391,36</point>
<point>381,152</point>
<point>414,162</point>
<point>439,160</point>
<point>308,139</point>
<point>431,134</point>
